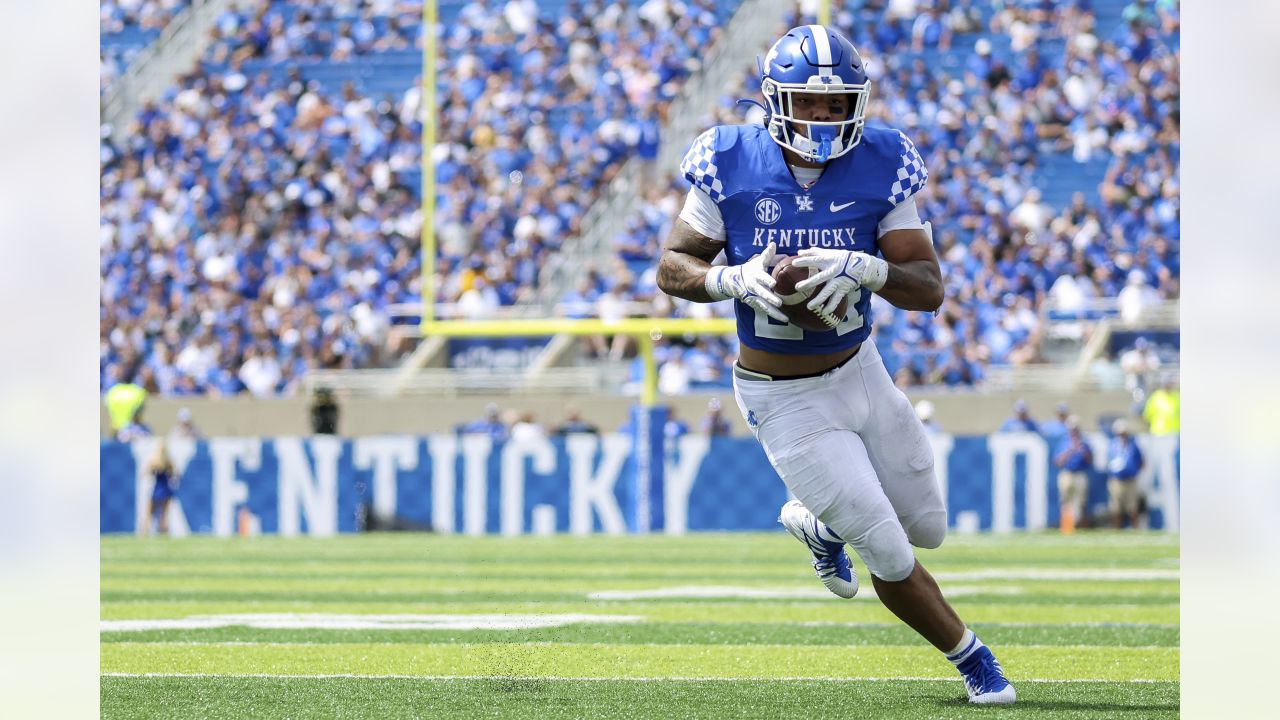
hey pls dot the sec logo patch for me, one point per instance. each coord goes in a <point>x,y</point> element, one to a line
<point>768,211</point>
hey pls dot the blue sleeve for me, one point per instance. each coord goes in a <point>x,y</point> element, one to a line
<point>1059,451</point>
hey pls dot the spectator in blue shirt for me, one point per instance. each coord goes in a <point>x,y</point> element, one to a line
<point>930,30</point>
<point>1073,459</point>
<point>1059,425</point>
<point>1021,420</point>
<point>675,428</point>
<point>491,424</point>
<point>1124,462</point>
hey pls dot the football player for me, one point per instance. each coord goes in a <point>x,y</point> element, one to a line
<point>815,182</point>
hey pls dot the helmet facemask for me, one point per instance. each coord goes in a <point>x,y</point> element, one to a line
<point>824,140</point>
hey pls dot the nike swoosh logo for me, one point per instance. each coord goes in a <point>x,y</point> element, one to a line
<point>838,208</point>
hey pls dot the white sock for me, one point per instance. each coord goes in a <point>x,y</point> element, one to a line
<point>967,645</point>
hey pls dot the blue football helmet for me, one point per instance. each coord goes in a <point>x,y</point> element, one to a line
<point>814,59</point>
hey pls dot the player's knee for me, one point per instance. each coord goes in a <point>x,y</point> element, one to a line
<point>896,567</point>
<point>928,531</point>
<point>887,552</point>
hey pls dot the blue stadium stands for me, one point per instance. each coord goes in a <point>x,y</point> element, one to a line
<point>251,221</point>
<point>124,31</point>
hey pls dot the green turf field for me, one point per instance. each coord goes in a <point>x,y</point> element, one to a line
<point>704,626</point>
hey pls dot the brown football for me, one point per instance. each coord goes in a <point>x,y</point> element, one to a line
<point>793,302</point>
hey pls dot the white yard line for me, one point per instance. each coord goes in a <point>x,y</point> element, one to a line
<point>833,623</point>
<point>322,621</point>
<point>569,643</point>
<point>808,592</point>
<point>1101,574</point>
<point>561,678</point>
<point>712,591</point>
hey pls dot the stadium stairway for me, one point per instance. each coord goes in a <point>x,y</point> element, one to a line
<point>178,47</point>
<point>130,38</point>
<point>753,19</point>
<point>751,27</point>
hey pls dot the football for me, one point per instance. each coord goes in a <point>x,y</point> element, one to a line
<point>793,302</point>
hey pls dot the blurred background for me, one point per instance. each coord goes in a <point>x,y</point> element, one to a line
<point>265,246</point>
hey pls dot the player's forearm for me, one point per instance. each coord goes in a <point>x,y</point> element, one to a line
<point>915,285</point>
<point>684,276</point>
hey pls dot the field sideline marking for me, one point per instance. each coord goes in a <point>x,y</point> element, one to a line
<point>1102,624</point>
<point>338,676</point>
<point>857,625</point>
<point>1102,574</point>
<point>359,621</point>
<point>729,592</point>
<point>560,643</point>
<point>837,623</point>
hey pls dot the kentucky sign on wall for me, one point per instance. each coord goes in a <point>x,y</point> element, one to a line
<point>612,483</point>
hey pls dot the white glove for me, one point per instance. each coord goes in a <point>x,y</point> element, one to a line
<point>843,271</point>
<point>749,282</point>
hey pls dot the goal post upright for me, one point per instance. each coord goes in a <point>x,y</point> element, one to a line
<point>428,111</point>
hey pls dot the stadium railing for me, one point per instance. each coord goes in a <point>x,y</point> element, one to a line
<point>578,380</point>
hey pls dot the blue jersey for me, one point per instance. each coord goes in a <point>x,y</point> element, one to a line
<point>1075,456</point>
<point>744,171</point>
<point>1124,459</point>
<point>163,490</point>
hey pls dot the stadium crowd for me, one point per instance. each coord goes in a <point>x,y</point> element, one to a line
<point>984,124</point>
<point>126,27</point>
<point>258,223</point>
<point>256,226</point>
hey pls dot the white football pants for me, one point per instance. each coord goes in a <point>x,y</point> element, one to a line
<point>849,446</point>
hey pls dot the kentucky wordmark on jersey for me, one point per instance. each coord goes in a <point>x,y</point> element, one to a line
<point>744,171</point>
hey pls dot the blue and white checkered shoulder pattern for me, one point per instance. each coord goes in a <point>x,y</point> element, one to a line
<point>699,166</point>
<point>912,174</point>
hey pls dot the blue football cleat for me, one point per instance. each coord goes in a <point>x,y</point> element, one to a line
<point>830,561</point>
<point>985,680</point>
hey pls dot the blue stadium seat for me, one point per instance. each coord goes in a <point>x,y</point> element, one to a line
<point>1060,177</point>
<point>129,37</point>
